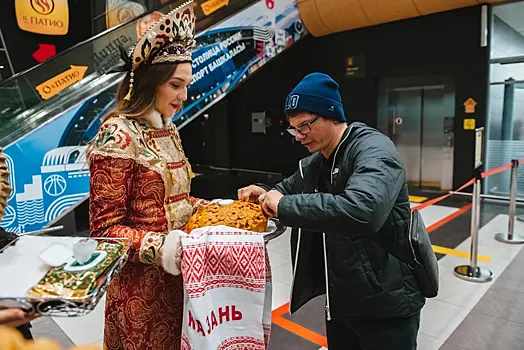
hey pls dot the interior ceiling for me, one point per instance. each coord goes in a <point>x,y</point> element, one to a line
<point>512,14</point>
<point>323,17</point>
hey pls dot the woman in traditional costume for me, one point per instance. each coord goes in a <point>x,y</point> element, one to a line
<point>140,183</point>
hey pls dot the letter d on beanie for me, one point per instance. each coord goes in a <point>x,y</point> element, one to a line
<point>316,93</point>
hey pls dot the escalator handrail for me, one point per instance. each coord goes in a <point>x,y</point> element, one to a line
<point>87,41</point>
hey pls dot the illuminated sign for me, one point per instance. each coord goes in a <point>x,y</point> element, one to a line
<point>469,105</point>
<point>211,6</point>
<point>355,66</point>
<point>48,17</point>
<point>54,85</point>
<point>122,11</point>
<point>44,52</point>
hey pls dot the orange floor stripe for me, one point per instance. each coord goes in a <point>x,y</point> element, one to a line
<point>277,314</point>
<point>300,331</point>
<point>448,218</point>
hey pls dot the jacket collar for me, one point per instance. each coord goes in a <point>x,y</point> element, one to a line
<point>157,120</point>
<point>341,145</point>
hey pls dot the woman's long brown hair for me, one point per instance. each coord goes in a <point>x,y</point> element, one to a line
<point>147,80</point>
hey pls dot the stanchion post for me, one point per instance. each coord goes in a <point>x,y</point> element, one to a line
<point>510,237</point>
<point>472,272</point>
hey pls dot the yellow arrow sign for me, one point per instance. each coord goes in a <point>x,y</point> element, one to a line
<point>470,105</point>
<point>211,6</point>
<point>54,85</point>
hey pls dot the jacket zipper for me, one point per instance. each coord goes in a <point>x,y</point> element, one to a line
<point>328,310</point>
<point>298,247</point>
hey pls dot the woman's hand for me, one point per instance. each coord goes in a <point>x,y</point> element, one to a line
<point>250,193</point>
<point>14,318</point>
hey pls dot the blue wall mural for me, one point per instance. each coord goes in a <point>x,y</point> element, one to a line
<point>48,169</point>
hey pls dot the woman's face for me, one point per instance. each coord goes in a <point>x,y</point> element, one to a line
<point>171,94</point>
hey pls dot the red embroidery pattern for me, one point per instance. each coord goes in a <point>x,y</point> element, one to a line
<point>241,343</point>
<point>111,133</point>
<point>223,265</point>
<point>267,333</point>
<point>123,138</point>
<point>185,343</point>
<point>144,304</point>
<point>159,133</point>
<point>177,198</point>
<point>176,165</point>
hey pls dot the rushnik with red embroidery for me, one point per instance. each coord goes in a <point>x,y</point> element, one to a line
<point>227,289</point>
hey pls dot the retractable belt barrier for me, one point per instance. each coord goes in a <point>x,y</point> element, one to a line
<point>469,272</point>
<point>473,272</point>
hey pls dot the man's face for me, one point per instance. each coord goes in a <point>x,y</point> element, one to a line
<point>311,131</point>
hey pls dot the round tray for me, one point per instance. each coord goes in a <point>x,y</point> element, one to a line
<point>275,229</point>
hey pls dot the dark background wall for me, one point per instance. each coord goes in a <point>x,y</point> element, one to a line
<point>22,44</point>
<point>446,43</point>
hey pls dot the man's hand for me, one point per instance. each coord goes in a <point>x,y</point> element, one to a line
<point>250,193</point>
<point>269,202</point>
<point>14,318</point>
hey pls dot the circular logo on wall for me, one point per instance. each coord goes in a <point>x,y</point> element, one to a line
<point>147,21</point>
<point>43,7</point>
<point>125,15</point>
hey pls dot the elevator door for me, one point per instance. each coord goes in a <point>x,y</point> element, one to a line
<point>420,123</point>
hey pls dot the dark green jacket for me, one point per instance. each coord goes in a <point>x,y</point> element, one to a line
<point>366,207</point>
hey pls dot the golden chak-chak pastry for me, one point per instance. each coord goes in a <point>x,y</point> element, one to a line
<point>239,214</point>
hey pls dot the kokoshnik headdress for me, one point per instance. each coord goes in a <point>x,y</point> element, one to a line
<point>170,40</point>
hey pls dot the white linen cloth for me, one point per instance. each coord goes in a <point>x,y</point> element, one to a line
<point>227,290</point>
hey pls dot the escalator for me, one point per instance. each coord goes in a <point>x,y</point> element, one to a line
<point>49,113</point>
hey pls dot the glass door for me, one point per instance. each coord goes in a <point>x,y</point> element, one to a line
<point>417,114</point>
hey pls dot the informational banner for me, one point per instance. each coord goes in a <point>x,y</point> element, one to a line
<point>48,169</point>
<point>46,179</point>
<point>47,17</point>
<point>236,48</point>
<point>54,85</point>
<point>211,6</point>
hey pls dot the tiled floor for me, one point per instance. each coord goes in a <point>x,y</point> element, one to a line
<point>465,315</point>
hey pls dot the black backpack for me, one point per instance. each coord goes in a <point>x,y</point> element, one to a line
<point>416,251</point>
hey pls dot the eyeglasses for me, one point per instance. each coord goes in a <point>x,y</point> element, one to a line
<point>303,129</point>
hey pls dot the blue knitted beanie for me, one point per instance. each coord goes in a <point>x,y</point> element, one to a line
<point>317,93</point>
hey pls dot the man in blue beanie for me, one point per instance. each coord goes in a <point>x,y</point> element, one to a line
<point>350,192</point>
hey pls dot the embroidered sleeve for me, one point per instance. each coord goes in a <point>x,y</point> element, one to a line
<point>197,202</point>
<point>111,167</point>
<point>115,139</point>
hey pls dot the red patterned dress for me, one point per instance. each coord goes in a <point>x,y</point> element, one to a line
<point>140,182</point>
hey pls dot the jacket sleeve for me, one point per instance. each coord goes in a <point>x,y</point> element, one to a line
<point>290,185</point>
<point>362,207</point>
<point>111,168</point>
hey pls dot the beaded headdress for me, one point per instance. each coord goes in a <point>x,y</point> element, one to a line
<point>170,40</point>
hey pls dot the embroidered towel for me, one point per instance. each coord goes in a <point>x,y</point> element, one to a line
<point>227,290</point>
